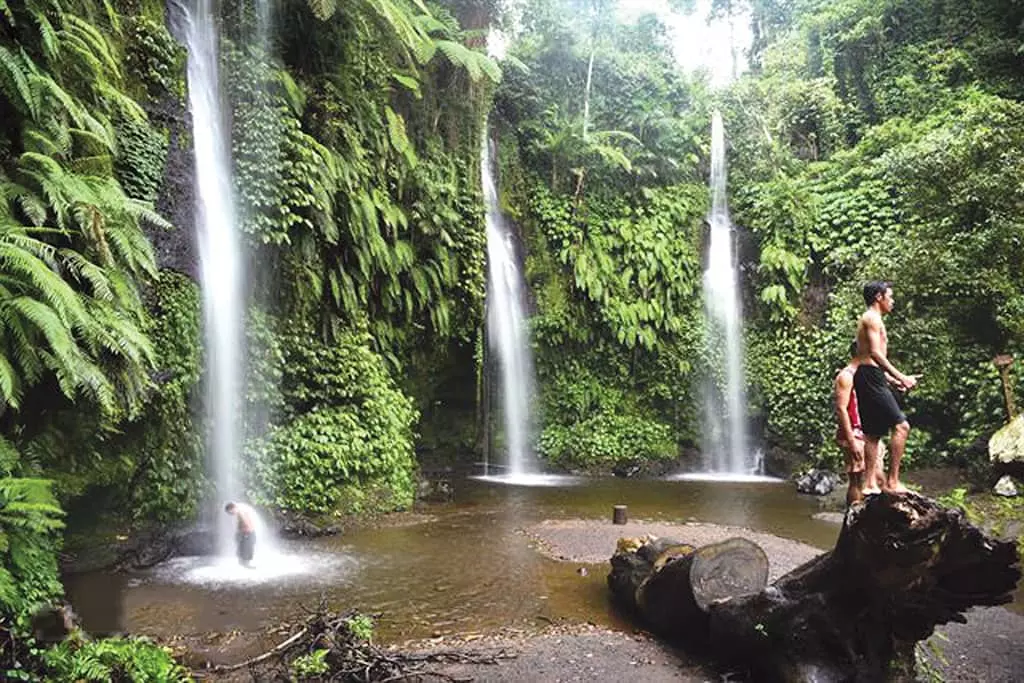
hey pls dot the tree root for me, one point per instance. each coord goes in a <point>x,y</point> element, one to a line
<point>352,660</point>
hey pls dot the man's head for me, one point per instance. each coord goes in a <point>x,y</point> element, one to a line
<point>879,292</point>
<point>230,508</point>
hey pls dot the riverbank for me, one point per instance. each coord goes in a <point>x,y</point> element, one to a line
<point>987,648</point>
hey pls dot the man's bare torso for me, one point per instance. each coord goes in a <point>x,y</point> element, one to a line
<point>870,318</point>
<point>246,524</point>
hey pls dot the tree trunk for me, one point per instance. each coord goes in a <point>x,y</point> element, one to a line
<point>902,565</point>
<point>671,584</point>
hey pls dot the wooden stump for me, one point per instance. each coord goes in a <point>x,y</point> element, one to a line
<point>671,584</point>
<point>902,565</point>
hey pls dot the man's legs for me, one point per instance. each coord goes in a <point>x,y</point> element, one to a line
<point>855,472</point>
<point>896,446</point>
<point>853,491</point>
<point>870,464</point>
<point>880,469</point>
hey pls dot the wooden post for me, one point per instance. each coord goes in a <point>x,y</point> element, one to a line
<point>619,514</point>
<point>1004,362</point>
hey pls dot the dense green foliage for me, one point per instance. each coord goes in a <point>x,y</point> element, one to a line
<point>30,520</point>
<point>361,208</point>
<point>360,202</point>
<point>608,192</point>
<point>871,140</point>
<point>363,211</point>
<point>881,141</point>
<point>346,441</point>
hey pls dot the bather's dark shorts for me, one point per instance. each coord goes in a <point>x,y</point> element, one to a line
<point>879,411</point>
<point>246,546</point>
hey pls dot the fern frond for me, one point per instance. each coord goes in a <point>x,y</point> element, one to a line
<point>292,92</point>
<point>101,143</point>
<point>47,37</point>
<point>112,17</point>
<point>84,270</point>
<point>88,37</point>
<point>10,384</point>
<point>45,283</point>
<point>430,24</point>
<point>35,140</point>
<point>397,135</point>
<point>410,83</point>
<point>47,321</point>
<point>15,82</point>
<point>399,20</point>
<point>323,9</point>
<point>43,86</point>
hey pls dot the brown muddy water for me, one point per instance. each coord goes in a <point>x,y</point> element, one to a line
<point>460,567</point>
<point>457,568</point>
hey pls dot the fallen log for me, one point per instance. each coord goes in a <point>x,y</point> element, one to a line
<point>671,584</point>
<point>902,565</point>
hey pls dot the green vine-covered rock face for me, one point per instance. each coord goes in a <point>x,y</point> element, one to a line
<point>345,439</point>
<point>612,221</point>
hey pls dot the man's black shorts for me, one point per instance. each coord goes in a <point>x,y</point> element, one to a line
<point>246,546</point>
<point>876,403</point>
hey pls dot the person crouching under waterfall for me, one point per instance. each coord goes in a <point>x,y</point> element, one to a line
<point>245,534</point>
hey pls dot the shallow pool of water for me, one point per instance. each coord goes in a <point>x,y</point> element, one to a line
<point>465,566</point>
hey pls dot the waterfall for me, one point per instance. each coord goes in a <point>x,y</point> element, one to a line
<point>506,324</point>
<point>220,262</point>
<point>726,444</point>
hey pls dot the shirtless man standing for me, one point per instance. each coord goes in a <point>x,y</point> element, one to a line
<point>879,412</point>
<point>245,534</point>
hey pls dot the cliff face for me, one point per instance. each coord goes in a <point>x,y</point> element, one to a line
<point>176,249</point>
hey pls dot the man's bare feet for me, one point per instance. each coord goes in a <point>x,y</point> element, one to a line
<point>896,487</point>
<point>870,491</point>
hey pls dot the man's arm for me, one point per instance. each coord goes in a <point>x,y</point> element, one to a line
<point>844,385</point>
<point>873,327</point>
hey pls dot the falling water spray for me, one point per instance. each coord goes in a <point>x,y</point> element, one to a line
<point>220,260</point>
<point>726,441</point>
<point>506,325</point>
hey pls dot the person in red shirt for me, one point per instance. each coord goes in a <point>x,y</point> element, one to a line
<point>849,434</point>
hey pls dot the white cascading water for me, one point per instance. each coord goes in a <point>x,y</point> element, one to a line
<point>223,286</point>
<point>726,441</point>
<point>506,325</point>
<point>220,261</point>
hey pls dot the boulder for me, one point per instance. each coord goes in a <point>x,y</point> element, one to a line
<point>1006,447</point>
<point>1005,487</point>
<point>295,525</point>
<point>816,482</point>
<point>627,470</point>
<point>435,490</point>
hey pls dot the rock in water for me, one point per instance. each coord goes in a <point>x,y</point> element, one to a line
<point>816,482</point>
<point>1005,487</point>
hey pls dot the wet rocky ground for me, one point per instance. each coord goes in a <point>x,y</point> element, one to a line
<point>989,648</point>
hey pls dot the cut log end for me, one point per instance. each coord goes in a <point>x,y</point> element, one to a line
<point>727,570</point>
